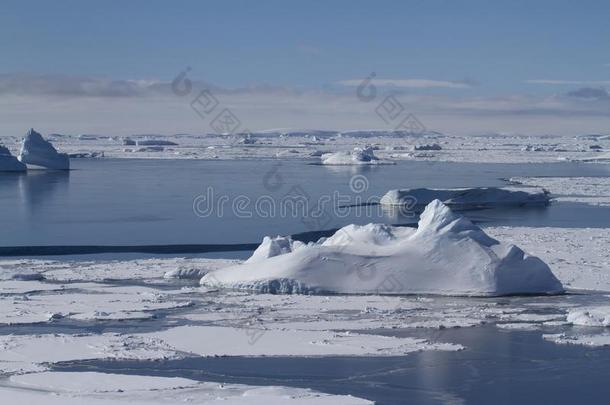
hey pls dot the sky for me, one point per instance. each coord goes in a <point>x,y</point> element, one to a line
<point>463,67</point>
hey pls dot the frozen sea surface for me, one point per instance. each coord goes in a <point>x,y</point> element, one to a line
<point>500,367</point>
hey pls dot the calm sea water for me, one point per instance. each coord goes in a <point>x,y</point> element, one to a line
<point>143,202</point>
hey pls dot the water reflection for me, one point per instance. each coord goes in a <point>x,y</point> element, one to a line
<point>38,188</point>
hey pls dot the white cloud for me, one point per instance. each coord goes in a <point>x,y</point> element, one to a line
<point>56,110</point>
<point>411,83</point>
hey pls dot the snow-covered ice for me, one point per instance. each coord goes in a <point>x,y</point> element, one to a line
<point>598,340</point>
<point>69,388</point>
<point>389,145</point>
<point>97,382</point>
<point>590,316</point>
<point>446,255</point>
<point>579,257</point>
<point>35,151</point>
<point>223,341</point>
<point>88,301</point>
<point>589,190</point>
<point>467,198</point>
<point>148,270</point>
<point>32,352</point>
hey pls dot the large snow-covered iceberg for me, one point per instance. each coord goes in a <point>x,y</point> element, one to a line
<point>447,254</point>
<point>358,156</point>
<point>464,198</point>
<point>8,162</point>
<point>36,151</point>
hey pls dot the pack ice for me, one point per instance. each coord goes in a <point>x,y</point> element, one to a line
<point>8,162</point>
<point>36,151</point>
<point>464,198</point>
<point>447,254</point>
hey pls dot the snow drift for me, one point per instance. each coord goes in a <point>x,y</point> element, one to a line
<point>359,156</point>
<point>446,255</point>
<point>464,198</point>
<point>36,151</point>
<point>8,162</point>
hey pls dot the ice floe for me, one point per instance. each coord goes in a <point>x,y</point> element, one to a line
<point>35,151</point>
<point>23,302</point>
<point>590,316</point>
<point>32,352</point>
<point>468,198</point>
<point>579,257</point>
<point>8,162</point>
<point>147,270</point>
<point>588,190</point>
<point>446,255</point>
<point>223,341</point>
<point>579,339</point>
<point>71,388</point>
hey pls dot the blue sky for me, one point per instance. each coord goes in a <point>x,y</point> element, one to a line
<point>499,49</point>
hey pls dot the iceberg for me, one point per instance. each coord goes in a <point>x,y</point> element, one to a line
<point>469,198</point>
<point>36,151</point>
<point>446,255</point>
<point>271,247</point>
<point>434,146</point>
<point>155,142</point>
<point>359,156</point>
<point>8,162</point>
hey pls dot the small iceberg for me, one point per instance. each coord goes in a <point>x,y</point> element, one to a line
<point>359,156</point>
<point>434,146</point>
<point>469,198</point>
<point>35,151</point>
<point>271,247</point>
<point>447,255</point>
<point>185,273</point>
<point>155,142</point>
<point>8,162</point>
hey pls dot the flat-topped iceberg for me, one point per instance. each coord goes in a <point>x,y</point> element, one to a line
<point>465,198</point>
<point>36,151</point>
<point>447,254</point>
<point>358,156</point>
<point>8,162</point>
